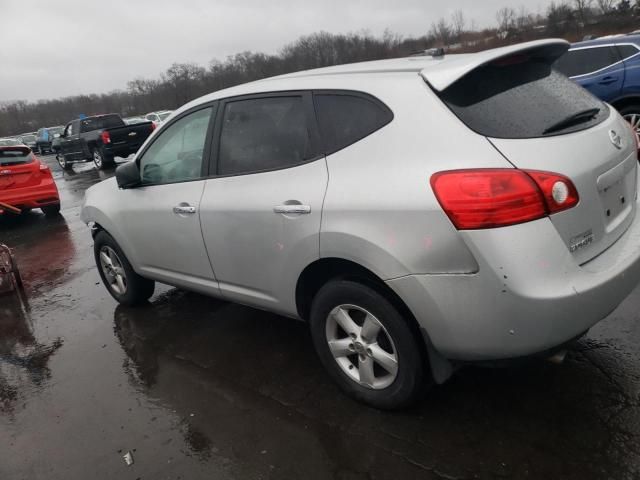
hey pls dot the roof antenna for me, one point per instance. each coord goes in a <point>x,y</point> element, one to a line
<point>430,52</point>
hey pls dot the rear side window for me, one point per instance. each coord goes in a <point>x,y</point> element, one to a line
<point>627,51</point>
<point>100,123</point>
<point>263,134</point>
<point>522,99</point>
<point>346,118</point>
<point>587,60</point>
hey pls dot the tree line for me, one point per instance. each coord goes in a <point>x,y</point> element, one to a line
<point>182,82</point>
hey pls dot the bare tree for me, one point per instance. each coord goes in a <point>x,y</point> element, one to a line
<point>441,32</point>
<point>583,8</point>
<point>606,6</point>
<point>458,24</point>
<point>506,18</point>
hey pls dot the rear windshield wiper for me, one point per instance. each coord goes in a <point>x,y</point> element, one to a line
<point>575,119</point>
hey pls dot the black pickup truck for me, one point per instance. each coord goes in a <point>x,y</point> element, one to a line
<point>100,138</point>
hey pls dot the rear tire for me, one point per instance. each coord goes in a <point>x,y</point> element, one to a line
<point>101,160</point>
<point>130,289</point>
<point>631,113</point>
<point>62,161</point>
<point>378,362</point>
<point>51,210</point>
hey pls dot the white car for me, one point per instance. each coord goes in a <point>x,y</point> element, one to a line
<point>418,213</point>
<point>158,117</point>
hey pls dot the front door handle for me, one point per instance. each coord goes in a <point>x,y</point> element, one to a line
<point>184,210</point>
<point>293,209</point>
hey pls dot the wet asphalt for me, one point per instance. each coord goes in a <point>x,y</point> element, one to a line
<point>197,388</point>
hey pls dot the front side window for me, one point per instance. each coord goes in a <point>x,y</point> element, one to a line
<point>587,60</point>
<point>344,119</point>
<point>263,134</point>
<point>176,155</point>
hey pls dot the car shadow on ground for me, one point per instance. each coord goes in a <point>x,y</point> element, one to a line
<point>258,379</point>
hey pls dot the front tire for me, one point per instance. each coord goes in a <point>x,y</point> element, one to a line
<point>101,160</point>
<point>366,345</point>
<point>122,282</point>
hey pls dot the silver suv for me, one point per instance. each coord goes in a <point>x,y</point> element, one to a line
<point>418,213</point>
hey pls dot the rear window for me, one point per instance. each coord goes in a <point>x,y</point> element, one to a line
<point>586,60</point>
<point>523,99</point>
<point>100,123</point>
<point>346,118</point>
<point>15,157</point>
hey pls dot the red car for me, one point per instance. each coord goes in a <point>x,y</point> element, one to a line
<point>25,182</point>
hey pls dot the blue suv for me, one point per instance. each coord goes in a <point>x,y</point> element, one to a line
<point>608,67</point>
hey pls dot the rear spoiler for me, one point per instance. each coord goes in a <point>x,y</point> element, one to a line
<point>15,148</point>
<point>442,75</point>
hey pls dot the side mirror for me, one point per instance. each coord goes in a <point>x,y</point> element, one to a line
<point>128,175</point>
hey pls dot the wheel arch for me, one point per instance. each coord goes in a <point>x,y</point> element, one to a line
<point>323,270</point>
<point>624,102</point>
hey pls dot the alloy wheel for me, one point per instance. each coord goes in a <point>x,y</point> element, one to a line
<point>113,270</point>
<point>361,347</point>
<point>634,120</point>
<point>97,158</point>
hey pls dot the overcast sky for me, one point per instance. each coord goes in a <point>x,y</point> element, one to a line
<point>50,49</point>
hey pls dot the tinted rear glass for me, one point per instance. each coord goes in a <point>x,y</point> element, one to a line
<point>588,60</point>
<point>15,157</point>
<point>520,100</point>
<point>344,119</point>
<point>100,123</point>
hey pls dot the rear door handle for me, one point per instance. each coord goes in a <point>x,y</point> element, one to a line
<point>608,80</point>
<point>293,209</point>
<point>184,210</point>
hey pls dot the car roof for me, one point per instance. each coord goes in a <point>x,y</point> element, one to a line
<point>439,71</point>
<point>609,40</point>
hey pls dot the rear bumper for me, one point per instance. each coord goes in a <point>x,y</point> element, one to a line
<point>32,197</point>
<point>120,150</point>
<point>528,296</point>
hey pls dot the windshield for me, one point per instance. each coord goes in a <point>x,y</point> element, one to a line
<point>521,98</point>
<point>15,157</point>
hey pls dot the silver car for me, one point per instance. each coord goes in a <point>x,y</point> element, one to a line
<point>418,213</point>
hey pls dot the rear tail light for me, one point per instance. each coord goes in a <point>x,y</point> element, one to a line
<point>105,137</point>
<point>489,198</point>
<point>153,126</point>
<point>44,168</point>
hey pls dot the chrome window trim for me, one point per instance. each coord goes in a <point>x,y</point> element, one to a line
<point>602,46</point>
